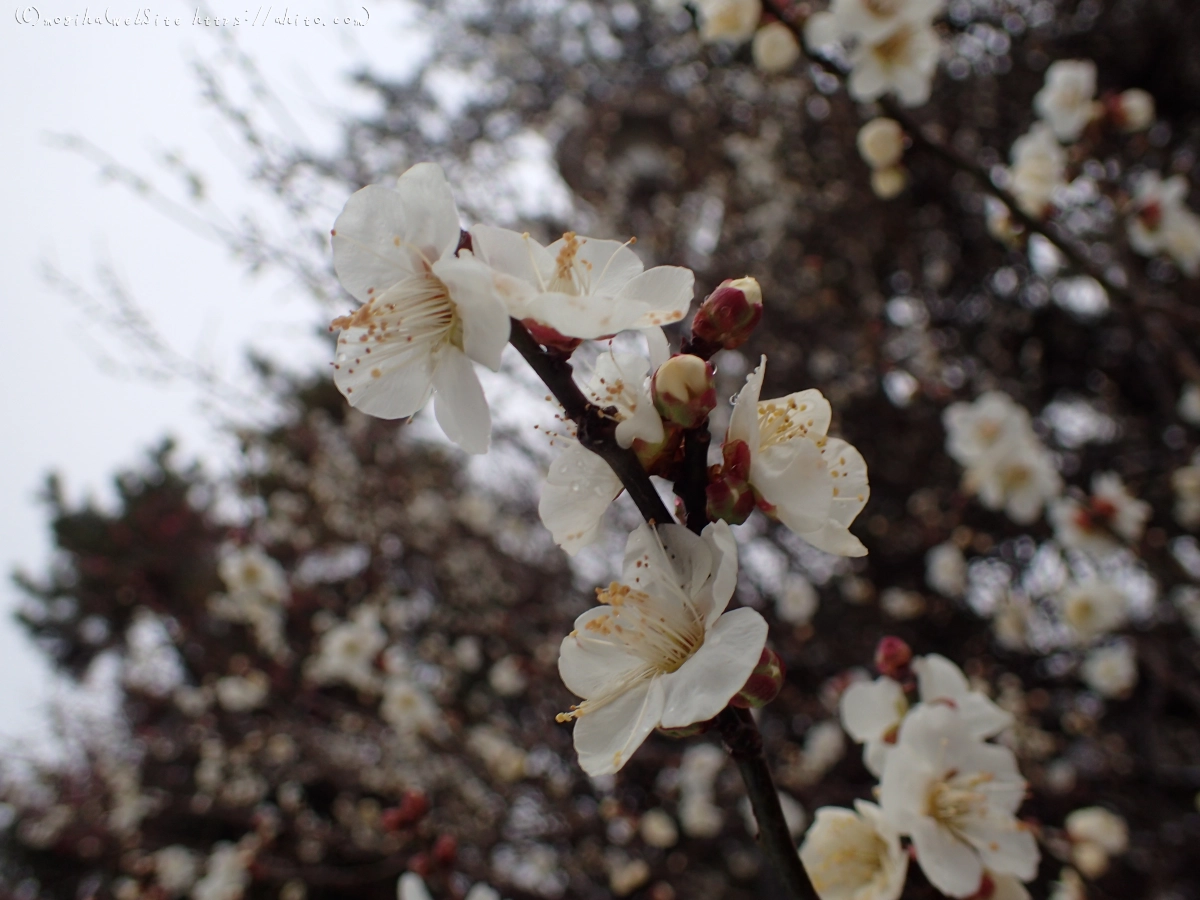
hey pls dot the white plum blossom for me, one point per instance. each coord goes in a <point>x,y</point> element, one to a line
<point>1099,826</point>
<point>728,20</point>
<point>1066,101</point>
<point>797,601</point>
<point>659,650</point>
<point>1092,608</point>
<point>249,569</point>
<point>1006,464</point>
<point>426,313</point>
<point>1111,671</point>
<point>580,486</point>
<point>1161,223</point>
<point>902,63</point>
<point>893,46</point>
<point>872,712</point>
<point>814,484</point>
<point>175,869</point>
<point>226,874</point>
<point>581,287</point>
<point>347,651</point>
<point>407,708</point>
<point>242,693</point>
<point>946,570</point>
<point>869,21</point>
<point>956,798</point>
<point>854,854</point>
<point>1039,166</point>
<point>1094,526</point>
<point>774,48</point>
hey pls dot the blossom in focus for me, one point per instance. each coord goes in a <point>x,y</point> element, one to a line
<point>1094,525</point>
<point>1161,223</point>
<point>854,855</point>
<point>426,313</point>
<point>581,287</point>
<point>774,48</point>
<point>1111,671</point>
<point>728,20</point>
<point>659,650</point>
<point>940,681</point>
<point>580,486</point>
<point>956,798</point>
<point>1092,608</point>
<point>1066,101</point>
<point>1039,166</point>
<point>814,484</point>
<point>871,713</point>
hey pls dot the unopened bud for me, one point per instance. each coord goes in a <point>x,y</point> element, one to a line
<point>774,48</point>
<point>893,658</point>
<point>881,143</point>
<point>683,390</point>
<point>413,807</point>
<point>658,458</point>
<point>445,850</point>
<point>730,499</point>
<point>687,730</point>
<point>764,682</point>
<point>1131,110</point>
<point>729,314</point>
<point>889,183</point>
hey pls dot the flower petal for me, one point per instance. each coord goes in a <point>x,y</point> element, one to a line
<point>578,490</point>
<point>793,477</point>
<point>393,382</point>
<point>952,866</point>
<point>719,590</point>
<point>702,686</point>
<point>461,408</point>
<point>667,560</point>
<point>871,709</point>
<point>485,321</point>
<point>372,242</point>
<point>434,224</point>
<point>608,264</point>
<point>743,421</point>
<point>1005,845</point>
<point>606,737</point>
<point>659,296</point>
<point>589,663</point>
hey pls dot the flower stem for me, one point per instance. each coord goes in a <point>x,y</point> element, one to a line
<point>742,738</point>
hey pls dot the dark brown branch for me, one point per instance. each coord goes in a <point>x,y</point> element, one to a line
<point>596,427</point>
<point>690,485</point>
<point>744,742</point>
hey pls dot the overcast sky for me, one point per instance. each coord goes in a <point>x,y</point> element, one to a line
<point>131,91</point>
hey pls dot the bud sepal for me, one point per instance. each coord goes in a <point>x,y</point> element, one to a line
<point>764,682</point>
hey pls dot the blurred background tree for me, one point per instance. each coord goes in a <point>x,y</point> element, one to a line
<point>353,675</point>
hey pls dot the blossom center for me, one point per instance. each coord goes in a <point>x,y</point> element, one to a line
<point>956,799</point>
<point>856,859</point>
<point>662,633</point>
<point>780,422</point>
<point>416,311</point>
<point>895,49</point>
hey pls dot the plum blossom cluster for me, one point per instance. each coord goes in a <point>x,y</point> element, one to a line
<point>660,650</point>
<point>945,790</point>
<point>1006,465</point>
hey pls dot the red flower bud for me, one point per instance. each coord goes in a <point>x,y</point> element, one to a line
<point>729,498</point>
<point>729,314</point>
<point>893,657</point>
<point>764,682</point>
<point>683,390</point>
<point>413,807</point>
